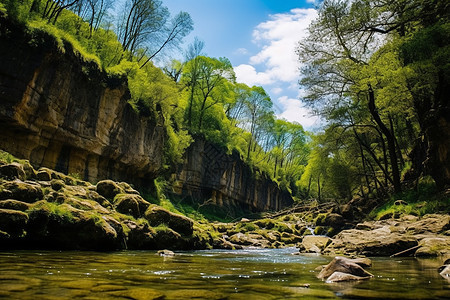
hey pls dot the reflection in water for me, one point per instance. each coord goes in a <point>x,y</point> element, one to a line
<point>216,274</point>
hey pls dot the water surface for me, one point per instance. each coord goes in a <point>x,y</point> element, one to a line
<point>214,274</point>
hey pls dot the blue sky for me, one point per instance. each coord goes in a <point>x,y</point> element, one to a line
<point>259,38</point>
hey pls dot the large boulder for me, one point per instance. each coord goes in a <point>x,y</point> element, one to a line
<point>433,246</point>
<point>140,236</point>
<point>249,239</point>
<point>157,215</point>
<point>131,204</point>
<point>378,242</point>
<point>65,227</point>
<point>12,221</point>
<point>23,191</point>
<point>14,205</point>
<point>12,171</point>
<point>432,223</point>
<point>108,189</point>
<point>343,269</point>
<point>314,243</point>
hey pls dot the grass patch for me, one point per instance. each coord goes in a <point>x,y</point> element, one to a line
<point>424,200</point>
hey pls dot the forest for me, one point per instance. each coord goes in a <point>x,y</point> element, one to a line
<point>376,72</point>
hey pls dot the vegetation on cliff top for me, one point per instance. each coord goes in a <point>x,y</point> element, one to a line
<point>377,72</point>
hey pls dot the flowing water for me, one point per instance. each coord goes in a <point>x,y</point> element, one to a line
<point>215,274</point>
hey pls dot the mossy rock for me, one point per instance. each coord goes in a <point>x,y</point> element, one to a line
<point>167,238</point>
<point>65,227</point>
<point>157,215</point>
<point>131,204</point>
<point>265,223</point>
<point>24,191</point>
<point>57,184</point>
<point>93,195</point>
<point>14,205</point>
<point>12,171</point>
<point>282,227</point>
<point>320,219</point>
<point>13,221</point>
<point>108,189</point>
<point>246,227</point>
<point>140,236</point>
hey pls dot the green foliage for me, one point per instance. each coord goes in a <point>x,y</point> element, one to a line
<point>424,200</point>
<point>6,157</point>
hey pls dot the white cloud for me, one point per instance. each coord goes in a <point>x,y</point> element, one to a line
<point>278,39</point>
<point>294,111</point>
<point>247,74</point>
<point>276,90</point>
<point>241,51</point>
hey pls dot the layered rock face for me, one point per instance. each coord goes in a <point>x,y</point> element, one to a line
<point>209,173</point>
<point>60,112</point>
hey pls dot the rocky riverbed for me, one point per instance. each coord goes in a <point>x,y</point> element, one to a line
<point>427,236</point>
<point>45,209</point>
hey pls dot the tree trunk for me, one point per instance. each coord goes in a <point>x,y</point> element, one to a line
<point>390,141</point>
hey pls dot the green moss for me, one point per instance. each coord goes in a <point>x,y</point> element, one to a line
<point>281,227</point>
<point>246,227</point>
<point>61,211</point>
<point>265,223</point>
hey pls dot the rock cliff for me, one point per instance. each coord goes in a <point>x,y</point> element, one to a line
<point>64,113</point>
<point>209,173</point>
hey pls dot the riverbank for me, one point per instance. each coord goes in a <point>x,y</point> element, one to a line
<point>45,209</point>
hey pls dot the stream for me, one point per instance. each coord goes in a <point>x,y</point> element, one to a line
<point>213,274</point>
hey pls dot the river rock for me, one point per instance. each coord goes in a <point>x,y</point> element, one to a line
<point>339,276</point>
<point>13,221</point>
<point>445,272</point>
<point>108,189</point>
<point>249,239</point>
<point>432,223</point>
<point>12,171</point>
<point>433,246</point>
<point>131,204</point>
<point>165,252</point>
<point>343,265</point>
<point>157,215</point>
<point>314,243</point>
<point>66,227</point>
<point>24,191</point>
<point>378,242</point>
<point>14,205</point>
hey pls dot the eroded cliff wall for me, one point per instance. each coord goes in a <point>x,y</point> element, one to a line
<point>60,112</point>
<point>209,173</point>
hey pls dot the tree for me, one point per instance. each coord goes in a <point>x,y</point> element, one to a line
<point>172,34</point>
<point>340,54</point>
<point>139,21</point>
